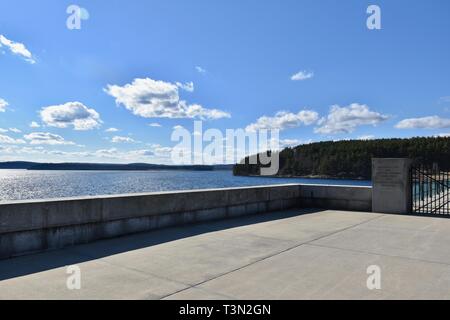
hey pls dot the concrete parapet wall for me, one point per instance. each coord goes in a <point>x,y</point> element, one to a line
<point>30,226</point>
<point>33,226</point>
<point>352,198</point>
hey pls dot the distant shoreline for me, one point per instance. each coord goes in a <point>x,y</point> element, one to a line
<point>305,177</point>
<point>36,166</point>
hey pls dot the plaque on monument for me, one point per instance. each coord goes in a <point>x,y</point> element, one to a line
<point>391,186</point>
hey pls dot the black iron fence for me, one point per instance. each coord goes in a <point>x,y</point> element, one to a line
<point>430,190</point>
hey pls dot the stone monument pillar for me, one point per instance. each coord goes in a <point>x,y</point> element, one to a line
<point>391,186</point>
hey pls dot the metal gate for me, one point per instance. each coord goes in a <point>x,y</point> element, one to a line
<point>430,190</point>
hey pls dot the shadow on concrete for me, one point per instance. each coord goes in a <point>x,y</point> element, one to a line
<point>427,215</point>
<point>34,263</point>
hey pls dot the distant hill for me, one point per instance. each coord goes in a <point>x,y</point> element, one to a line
<point>352,158</point>
<point>107,166</point>
<point>16,164</point>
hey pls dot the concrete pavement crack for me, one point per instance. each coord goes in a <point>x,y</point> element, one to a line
<point>273,255</point>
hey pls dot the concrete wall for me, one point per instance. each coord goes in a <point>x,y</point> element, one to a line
<point>32,226</point>
<point>352,198</point>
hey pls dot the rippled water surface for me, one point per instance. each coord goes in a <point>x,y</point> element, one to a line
<point>23,184</point>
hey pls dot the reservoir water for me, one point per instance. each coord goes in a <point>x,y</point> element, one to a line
<point>24,184</point>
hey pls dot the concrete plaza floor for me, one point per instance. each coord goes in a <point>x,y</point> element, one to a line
<point>298,254</point>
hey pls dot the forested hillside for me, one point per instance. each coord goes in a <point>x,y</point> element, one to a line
<point>352,158</point>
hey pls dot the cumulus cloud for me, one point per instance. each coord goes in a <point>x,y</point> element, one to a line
<point>279,144</point>
<point>150,98</point>
<point>3,130</point>
<point>154,150</point>
<point>3,105</point>
<point>302,75</point>
<point>347,119</point>
<point>46,138</point>
<point>432,122</point>
<point>155,154</point>
<point>43,152</point>
<point>284,120</point>
<point>17,48</point>
<point>111,130</point>
<point>8,140</point>
<point>15,130</point>
<point>161,151</point>
<point>34,124</point>
<point>188,86</point>
<point>120,139</point>
<point>112,152</point>
<point>69,114</point>
<point>155,125</point>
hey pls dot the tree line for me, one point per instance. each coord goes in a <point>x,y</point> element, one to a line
<point>352,159</point>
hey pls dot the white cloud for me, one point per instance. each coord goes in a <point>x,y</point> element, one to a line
<point>112,130</point>
<point>155,124</point>
<point>188,86</point>
<point>120,139</point>
<point>46,138</point>
<point>17,48</point>
<point>143,152</point>
<point>162,151</point>
<point>159,150</point>
<point>366,137</point>
<point>68,154</point>
<point>34,124</point>
<point>73,114</point>
<point>200,69</point>
<point>284,120</point>
<point>154,154</point>
<point>112,152</point>
<point>3,105</point>
<point>432,122</point>
<point>3,130</point>
<point>155,150</point>
<point>15,130</point>
<point>347,119</point>
<point>444,135</point>
<point>289,142</point>
<point>283,143</point>
<point>8,140</point>
<point>302,75</point>
<point>150,98</point>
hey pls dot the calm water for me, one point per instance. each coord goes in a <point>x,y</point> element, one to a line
<point>23,184</point>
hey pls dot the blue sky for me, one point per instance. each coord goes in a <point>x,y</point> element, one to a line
<point>230,63</point>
